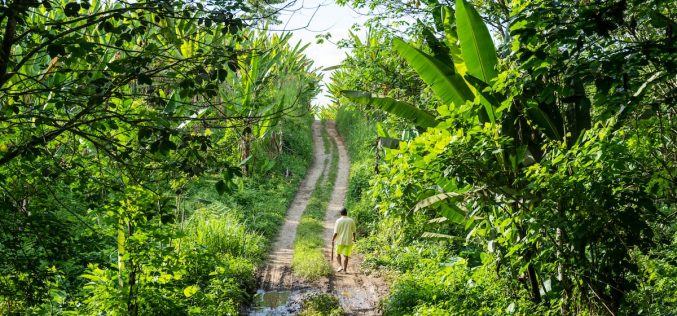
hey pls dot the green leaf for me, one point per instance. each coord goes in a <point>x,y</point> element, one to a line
<point>451,38</point>
<point>190,290</point>
<point>402,109</point>
<point>453,213</point>
<point>487,99</point>
<point>445,82</point>
<point>545,123</point>
<point>429,201</point>
<point>477,46</point>
<point>381,131</point>
<point>172,103</point>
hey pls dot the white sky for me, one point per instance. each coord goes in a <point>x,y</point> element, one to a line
<point>308,18</point>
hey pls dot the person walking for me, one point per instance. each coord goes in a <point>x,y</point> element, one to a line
<point>344,231</point>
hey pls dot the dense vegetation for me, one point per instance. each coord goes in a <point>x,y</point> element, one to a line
<point>508,157</point>
<point>529,166</point>
<point>148,153</point>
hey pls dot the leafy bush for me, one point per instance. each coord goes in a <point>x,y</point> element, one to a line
<point>458,290</point>
<point>656,279</point>
<point>321,304</point>
<point>360,173</point>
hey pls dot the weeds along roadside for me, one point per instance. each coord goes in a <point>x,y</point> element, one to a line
<point>309,261</point>
<point>261,201</point>
<point>393,245</point>
<point>198,252</point>
<point>359,136</point>
<point>218,239</point>
<point>199,257</point>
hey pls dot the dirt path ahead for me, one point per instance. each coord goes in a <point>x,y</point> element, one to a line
<point>359,294</point>
<point>277,274</point>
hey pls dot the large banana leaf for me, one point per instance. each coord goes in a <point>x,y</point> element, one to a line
<point>479,52</point>
<point>451,38</point>
<point>402,109</point>
<point>445,82</point>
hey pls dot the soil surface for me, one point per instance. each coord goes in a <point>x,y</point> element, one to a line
<point>277,274</point>
<point>358,293</point>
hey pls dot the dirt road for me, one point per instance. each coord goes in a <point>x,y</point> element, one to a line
<point>359,294</point>
<point>277,274</point>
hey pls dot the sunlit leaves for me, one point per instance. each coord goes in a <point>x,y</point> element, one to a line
<point>399,108</point>
<point>477,46</point>
<point>447,84</point>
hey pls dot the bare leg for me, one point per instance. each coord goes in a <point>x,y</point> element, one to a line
<point>345,264</point>
<point>339,261</point>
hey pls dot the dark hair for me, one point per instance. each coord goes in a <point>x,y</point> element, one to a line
<point>344,211</point>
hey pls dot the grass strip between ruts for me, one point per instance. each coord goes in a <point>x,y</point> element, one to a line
<point>309,262</point>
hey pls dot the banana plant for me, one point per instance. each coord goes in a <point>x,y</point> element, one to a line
<point>469,53</point>
<point>461,69</point>
<point>270,78</point>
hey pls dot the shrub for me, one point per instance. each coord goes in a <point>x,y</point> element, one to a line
<point>321,304</point>
<point>458,290</point>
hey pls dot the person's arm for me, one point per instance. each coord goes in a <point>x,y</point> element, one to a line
<point>354,232</point>
<point>333,238</point>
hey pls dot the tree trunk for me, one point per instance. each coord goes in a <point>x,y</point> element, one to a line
<point>246,148</point>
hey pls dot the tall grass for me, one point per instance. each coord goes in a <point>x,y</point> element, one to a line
<point>224,236</point>
<point>359,134</point>
<point>261,201</point>
<point>221,231</point>
<point>360,137</point>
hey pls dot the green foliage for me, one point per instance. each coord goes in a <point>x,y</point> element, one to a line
<point>151,148</point>
<point>477,46</point>
<point>447,84</point>
<point>558,187</point>
<point>327,112</point>
<point>320,304</point>
<point>455,289</point>
<point>401,109</point>
<point>657,282</point>
<point>191,253</point>
<point>359,135</point>
<point>220,232</point>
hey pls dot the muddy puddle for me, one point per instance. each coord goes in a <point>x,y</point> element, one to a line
<point>275,303</point>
